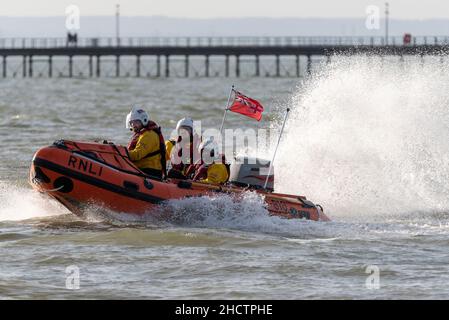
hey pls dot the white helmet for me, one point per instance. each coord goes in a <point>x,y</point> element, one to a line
<point>185,122</point>
<point>210,150</point>
<point>137,113</point>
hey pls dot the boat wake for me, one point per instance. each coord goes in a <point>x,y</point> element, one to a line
<point>223,213</point>
<point>19,202</point>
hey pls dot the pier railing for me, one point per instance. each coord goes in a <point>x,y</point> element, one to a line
<point>17,43</point>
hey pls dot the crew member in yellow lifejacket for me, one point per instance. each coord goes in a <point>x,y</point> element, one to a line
<point>211,168</point>
<point>183,152</point>
<point>147,146</point>
<point>169,144</point>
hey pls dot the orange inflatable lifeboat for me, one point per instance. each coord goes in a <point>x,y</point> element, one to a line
<point>78,174</point>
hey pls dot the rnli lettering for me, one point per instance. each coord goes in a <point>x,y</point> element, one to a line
<point>85,165</point>
<point>279,206</point>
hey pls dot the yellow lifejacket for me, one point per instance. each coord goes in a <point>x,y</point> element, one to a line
<point>169,144</point>
<point>216,174</point>
<point>145,153</point>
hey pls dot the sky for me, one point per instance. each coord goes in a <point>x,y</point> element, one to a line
<point>400,9</point>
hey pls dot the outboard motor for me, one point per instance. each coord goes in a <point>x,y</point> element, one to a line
<point>251,172</point>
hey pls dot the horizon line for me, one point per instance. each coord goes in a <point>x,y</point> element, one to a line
<point>224,18</point>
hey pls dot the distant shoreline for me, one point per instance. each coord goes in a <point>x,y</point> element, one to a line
<point>142,26</point>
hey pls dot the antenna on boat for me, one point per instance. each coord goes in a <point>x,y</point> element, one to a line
<point>275,150</point>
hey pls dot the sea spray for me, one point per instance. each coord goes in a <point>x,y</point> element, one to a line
<point>20,203</point>
<point>370,136</point>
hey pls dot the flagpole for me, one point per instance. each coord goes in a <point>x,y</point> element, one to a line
<point>275,150</point>
<point>226,109</point>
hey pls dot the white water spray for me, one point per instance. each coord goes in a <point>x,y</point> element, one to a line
<point>370,136</point>
<point>21,203</point>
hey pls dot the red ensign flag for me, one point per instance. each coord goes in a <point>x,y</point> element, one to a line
<point>246,106</point>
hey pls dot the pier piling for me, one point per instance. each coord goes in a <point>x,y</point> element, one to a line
<point>167,66</point>
<point>117,66</point>
<point>50,66</point>
<point>158,66</point>
<point>70,66</point>
<point>24,66</point>
<point>309,64</point>
<point>257,74</point>
<point>30,66</point>
<point>138,66</point>
<point>98,66</point>
<point>278,66</point>
<point>206,62</point>
<point>186,66</point>
<point>4,67</point>
<point>91,67</point>
<point>298,71</point>
<point>237,66</point>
